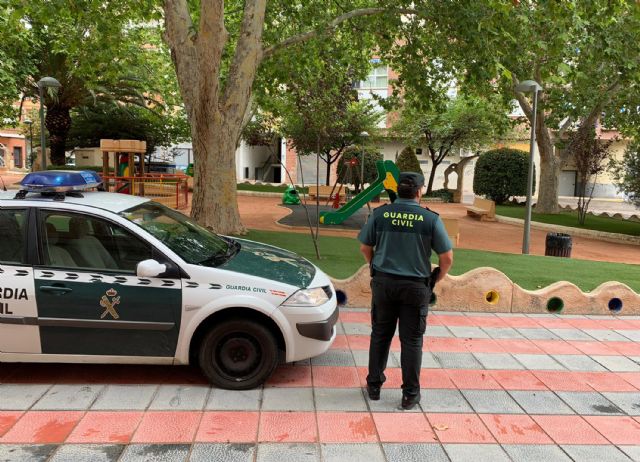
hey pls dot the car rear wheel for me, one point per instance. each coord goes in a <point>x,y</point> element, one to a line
<point>238,354</point>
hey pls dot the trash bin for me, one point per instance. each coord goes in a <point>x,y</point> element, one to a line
<point>558,245</point>
<point>290,196</point>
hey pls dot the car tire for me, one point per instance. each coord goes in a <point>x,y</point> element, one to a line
<point>238,354</point>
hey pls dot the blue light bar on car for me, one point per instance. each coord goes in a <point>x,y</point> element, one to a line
<point>60,181</point>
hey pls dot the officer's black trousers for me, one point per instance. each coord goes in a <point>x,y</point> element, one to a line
<point>406,301</point>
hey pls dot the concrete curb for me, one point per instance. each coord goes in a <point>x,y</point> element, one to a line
<point>589,233</point>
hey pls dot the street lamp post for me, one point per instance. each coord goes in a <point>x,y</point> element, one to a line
<point>29,122</point>
<point>530,86</point>
<point>43,83</point>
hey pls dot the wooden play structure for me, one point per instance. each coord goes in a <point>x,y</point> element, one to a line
<point>129,175</point>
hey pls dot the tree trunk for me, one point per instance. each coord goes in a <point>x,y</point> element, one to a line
<point>550,165</point>
<point>329,163</point>
<point>432,176</point>
<point>58,123</point>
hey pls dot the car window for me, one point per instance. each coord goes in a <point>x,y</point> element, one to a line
<point>72,240</point>
<point>12,230</point>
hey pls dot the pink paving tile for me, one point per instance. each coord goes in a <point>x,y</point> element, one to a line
<point>515,346</point>
<point>522,321</point>
<point>358,342</point>
<point>452,345</point>
<point>630,377</point>
<point>290,376</point>
<point>394,427</point>
<point>606,381</point>
<point>515,429</point>
<point>584,323</point>
<point>616,324</point>
<point>167,427</point>
<point>105,427</point>
<point>288,427</point>
<point>468,379</point>
<point>556,347</point>
<point>487,321</point>
<point>482,345</point>
<point>563,381</point>
<point>435,378</point>
<point>624,348</point>
<point>448,320</point>
<point>518,380</point>
<point>346,427</point>
<point>593,348</point>
<point>618,430</point>
<point>42,427</point>
<point>228,427</point>
<point>335,377</point>
<point>393,375</point>
<point>7,420</point>
<point>554,323</point>
<point>351,316</point>
<point>459,428</point>
<point>340,343</point>
<point>434,320</point>
<point>569,429</point>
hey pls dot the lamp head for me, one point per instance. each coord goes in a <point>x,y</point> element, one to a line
<point>48,82</point>
<point>528,86</point>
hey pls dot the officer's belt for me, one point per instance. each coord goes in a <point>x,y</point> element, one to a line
<point>378,273</point>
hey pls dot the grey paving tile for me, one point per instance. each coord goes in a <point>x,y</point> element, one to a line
<point>632,451</point>
<point>539,362</point>
<point>498,361</point>
<point>491,402</point>
<point>618,363</point>
<point>26,452</point>
<point>448,313</point>
<point>356,328</point>
<point>361,358</point>
<point>354,309</point>
<point>352,452</point>
<point>287,399</point>
<point>633,335</point>
<point>456,360</point>
<point>538,333</point>
<point>188,398</point>
<point>71,397</point>
<point>535,453</point>
<point>479,314</point>
<point>589,403</point>
<point>428,360</point>
<point>502,332</point>
<point>156,453</point>
<point>476,453</point>
<point>340,399</point>
<point>84,452</point>
<point>593,453</point>
<point>571,334</point>
<point>390,401</point>
<point>234,400</point>
<point>438,331</point>
<point>20,397</point>
<point>287,452</point>
<point>540,402</point>
<point>578,363</point>
<point>444,400</point>
<point>541,315</point>
<point>339,328</point>
<point>468,332</point>
<point>121,397</point>
<point>334,358</point>
<point>628,402</point>
<point>606,335</point>
<point>224,452</point>
<point>415,453</point>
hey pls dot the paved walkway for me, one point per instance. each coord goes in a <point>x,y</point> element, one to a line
<point>497,387</point>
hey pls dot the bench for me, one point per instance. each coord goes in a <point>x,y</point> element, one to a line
<point>453,230</point>
<point>324,192</point>
<point>482,208</point>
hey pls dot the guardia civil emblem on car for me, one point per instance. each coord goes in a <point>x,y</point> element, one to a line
<point>117,278</point>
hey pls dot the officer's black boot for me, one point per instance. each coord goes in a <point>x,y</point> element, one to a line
<point>410,401</point>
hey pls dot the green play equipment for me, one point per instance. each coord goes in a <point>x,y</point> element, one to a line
<point>388,177</point>
<point>290,196</point>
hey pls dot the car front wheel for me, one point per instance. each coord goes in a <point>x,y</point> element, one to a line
<point>238,354</point>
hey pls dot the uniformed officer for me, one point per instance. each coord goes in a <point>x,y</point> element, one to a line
<point>397,241</point>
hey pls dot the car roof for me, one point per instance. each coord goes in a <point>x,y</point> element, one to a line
<point>113,202</point>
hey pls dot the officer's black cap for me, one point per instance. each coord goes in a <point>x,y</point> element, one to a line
<point>412,179</point>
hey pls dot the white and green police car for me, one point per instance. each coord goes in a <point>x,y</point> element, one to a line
<point>92,276</point>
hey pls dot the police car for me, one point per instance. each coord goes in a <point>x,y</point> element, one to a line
<point>92,276</point>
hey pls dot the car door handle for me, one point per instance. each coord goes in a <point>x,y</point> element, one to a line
<point>57,290</point>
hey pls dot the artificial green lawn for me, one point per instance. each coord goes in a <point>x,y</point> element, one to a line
<point>609,225</point>
<point>266,188</point>
<point>340,258</point>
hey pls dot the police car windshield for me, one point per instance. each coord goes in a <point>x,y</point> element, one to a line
<point>193,243</point>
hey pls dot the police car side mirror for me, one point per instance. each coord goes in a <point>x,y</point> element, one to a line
<point>150,269</point>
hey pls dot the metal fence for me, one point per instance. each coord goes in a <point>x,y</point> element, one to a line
<point>170,190</point>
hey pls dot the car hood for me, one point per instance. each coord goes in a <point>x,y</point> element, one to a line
<point>273,263</point>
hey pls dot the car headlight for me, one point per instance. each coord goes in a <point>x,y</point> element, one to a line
<point>309,297</point>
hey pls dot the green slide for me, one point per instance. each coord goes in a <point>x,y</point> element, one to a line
<point>388,177</point>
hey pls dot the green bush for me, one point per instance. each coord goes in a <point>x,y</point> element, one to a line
<point>444,194</point>
<point>407,161</point>
<point>502,173</point>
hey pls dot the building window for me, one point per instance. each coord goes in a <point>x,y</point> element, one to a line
<point>246,173</point>
<point>377,78</point>
<point>17,156</point>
